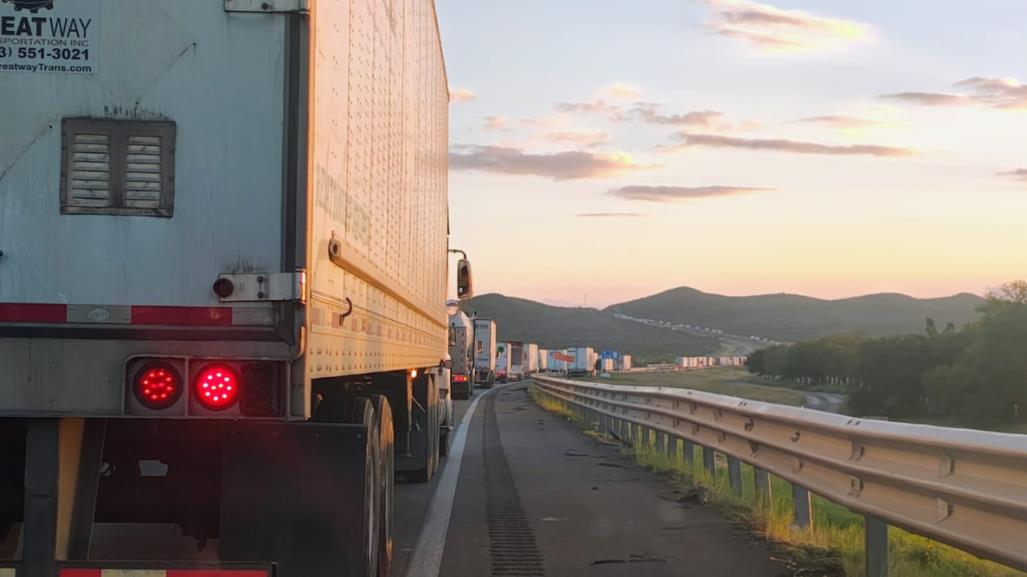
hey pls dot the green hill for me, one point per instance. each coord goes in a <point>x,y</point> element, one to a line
<point>561,327</point>
<point>791,317</point>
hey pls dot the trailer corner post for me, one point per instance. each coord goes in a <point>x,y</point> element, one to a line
<point>876,547</point>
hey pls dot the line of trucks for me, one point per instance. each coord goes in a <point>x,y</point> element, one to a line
<point>479,359</point>
<point>224,259</point>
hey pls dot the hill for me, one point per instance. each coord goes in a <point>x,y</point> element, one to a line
<point>789,317</point>
<point>561,327</point>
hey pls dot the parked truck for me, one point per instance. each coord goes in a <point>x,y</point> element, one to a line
<point>530,355</point>
<point>504,363</point>
<point>517,366</point>
<point>484,352</point>
<point>461,351</point>
<point>222,283</point>
<point>583,363</point>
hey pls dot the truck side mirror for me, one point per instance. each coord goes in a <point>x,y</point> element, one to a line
<point>464,282</point>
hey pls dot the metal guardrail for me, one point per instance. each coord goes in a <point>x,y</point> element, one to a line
<point>962,487</point>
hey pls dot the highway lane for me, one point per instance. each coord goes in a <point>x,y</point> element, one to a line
<point>537,497</point>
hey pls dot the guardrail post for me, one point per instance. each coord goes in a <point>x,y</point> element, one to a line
<point>661,443</point>
<point>762,479</point>
<point>734,475</point>
<point>876,547</point>
<point>604,424</point>
<point>803,507</point>
<point>709,462</point>
<point>672,448</point>
<point>689,451</point>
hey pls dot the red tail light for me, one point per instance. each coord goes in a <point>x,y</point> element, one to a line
<point>157,385</point>
<point>217,387</point>
<point>459,378</point>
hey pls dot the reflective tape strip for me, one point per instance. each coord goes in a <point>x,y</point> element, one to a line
<point>8,572</point>
<point>50,314</point>
<point>155,573</point>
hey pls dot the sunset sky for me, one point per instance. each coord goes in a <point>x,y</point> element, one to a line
<point>616,149</point>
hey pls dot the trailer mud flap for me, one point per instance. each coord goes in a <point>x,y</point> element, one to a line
<point>294,493</point>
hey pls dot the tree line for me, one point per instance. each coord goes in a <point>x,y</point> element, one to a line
<point>975,375</point>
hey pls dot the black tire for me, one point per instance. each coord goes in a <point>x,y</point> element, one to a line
<point>429,399</point>
<point>359,410</point>
<point>387,471</point>
<point>444,443</point>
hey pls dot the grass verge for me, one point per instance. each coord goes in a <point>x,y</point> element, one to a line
<point>833,546</point>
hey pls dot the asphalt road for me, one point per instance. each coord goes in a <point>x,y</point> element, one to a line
<point>536,497</point>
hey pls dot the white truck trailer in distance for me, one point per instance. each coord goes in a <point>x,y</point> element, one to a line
<point>503,362</point>
<point>461,353</point>
<point>224,234</point>
<point>584,361</point>
<point>484,351</point>
<point>530,362</point>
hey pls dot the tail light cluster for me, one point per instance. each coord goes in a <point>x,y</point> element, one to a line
<point>201,388</point>
<point>459,378</point>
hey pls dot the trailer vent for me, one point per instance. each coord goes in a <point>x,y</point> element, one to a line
<point>118,167</point>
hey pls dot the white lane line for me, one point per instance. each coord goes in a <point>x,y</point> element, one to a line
<point>431,543</point>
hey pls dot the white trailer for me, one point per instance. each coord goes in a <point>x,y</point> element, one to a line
<point>503,362</point>
<point>543,360</point>
<point>517,361</point>
<point>584,361</point>
<point>224,234</point>
<point>485,351</point>
<point>530,362</point>
<point>461,352</point>
<point>625,363</point>
<point>557,361</point>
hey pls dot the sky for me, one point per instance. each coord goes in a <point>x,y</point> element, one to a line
<point>604,150</point>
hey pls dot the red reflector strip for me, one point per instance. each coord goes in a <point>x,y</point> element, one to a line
<point>183,316</point>
<point>216,573</point>
<point>33,313</point>
<point>81,572</point>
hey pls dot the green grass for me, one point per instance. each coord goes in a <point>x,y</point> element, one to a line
<point>723,381</point>
<point>833,546</point>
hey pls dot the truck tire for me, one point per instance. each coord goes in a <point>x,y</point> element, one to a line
<point>427,395</point>
<point>387,473</point>
<point>370,411</point>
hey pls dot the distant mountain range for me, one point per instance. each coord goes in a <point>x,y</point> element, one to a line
<point>783,317</point>
<point>562,327</point>
<point>789,317</point>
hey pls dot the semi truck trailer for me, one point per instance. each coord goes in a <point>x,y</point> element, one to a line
<point>484,351</point>
<point>461,336</point>
<point>223,229</point>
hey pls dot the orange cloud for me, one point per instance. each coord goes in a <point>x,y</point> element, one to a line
<point>841,121</point>
<point>588,139</point>
<point>680,193</point>
<point>1020,174</point>
<point>622,91</point>
<point>1002,93</point>
<point>461,95</point>
<point>569,165</point>
<point>610,214</point>
<point>772,29</point>
<point>497,123</point>
<point>598,106</point>
<point>793,146</point>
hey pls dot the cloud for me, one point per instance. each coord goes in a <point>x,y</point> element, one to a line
<point>680,193</point>
<point>598,106</point>
<point>622,91</point>
<point>583,138</point>
<point>461,95</point>
<point>930,98</point>
<point>841,121</point>
<point>650,113</point>
<point>610,214</point>
<point>498,123</point>
<point>1001,93</point>
<point>1020,174</point>
<point>569,165</point>
<point>779,145</point>
<point>771,29</point>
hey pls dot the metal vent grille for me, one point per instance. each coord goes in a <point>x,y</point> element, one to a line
<point>118,167</point>
<point>91,171</point>
<point>143,172</point>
